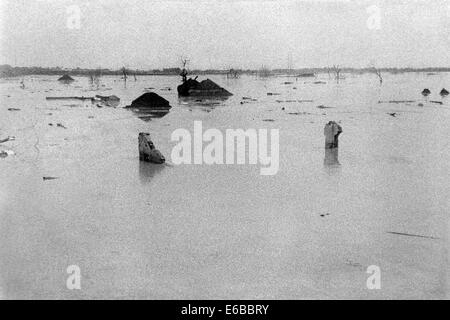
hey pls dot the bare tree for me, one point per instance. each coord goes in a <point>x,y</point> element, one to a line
<point>264,72</point>
<point>377,71</point>
<point>124,72</point>
<point>337,72</point>
<point>329,72</point>
<point>233,73</point>
<point>184,72</point>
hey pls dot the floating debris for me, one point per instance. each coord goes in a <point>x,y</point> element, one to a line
<point>411,235</point>
<point>268,120</point>
<point>273,94</point>
<point>438,102</point>
<point>61,125</point>
<point>7,139</point>
<point>13,109</point>
<point>393,114</point>
<point>323,107</point>
<point>285,101</point>
<point>70,98</point>
<point>49,178</point>
<point>6,153</point>
<point>397,101</point>
<point>319,82</point>
<point>110,101</point>
<point>299,113</point>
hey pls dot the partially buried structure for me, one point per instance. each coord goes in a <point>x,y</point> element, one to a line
<point>150,105</point>
<point>192,88</point>
<point>66,78</point>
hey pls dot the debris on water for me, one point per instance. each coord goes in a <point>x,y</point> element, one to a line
<point>268,120</point>
<point>99,106</point>
<point>324,215</point>
<point>438,102</point>
<point>393,114</point>
<point>147,150</point>
<point>420,104</point>
<point>166,89</point>
<point>13,109</point>
<point>287,82</point>
<point>9,138</point>
<point>305,100</point>
<point>250,99</point>
<point>319,82</point>
<point>411,235</point>
<point>90,117</point>
<point>49,178</point>
<point>283,108</point>
<point>70,98</point>
<point>299,113</point>
<point>61,125</point>
<point>285,101</point>
<point>273,94</point>
<point>323,107</point>
<point>426,92</point>
<point>110,101</point>
<point>6,153</point>
<point>397,101</point>
<point>444,92</point>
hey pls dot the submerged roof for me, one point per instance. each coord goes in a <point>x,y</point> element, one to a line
<point>150,100</point>
<point>66,77</point>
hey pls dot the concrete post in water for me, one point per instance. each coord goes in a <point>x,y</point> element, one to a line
<point>331,131</point>
<point>147,150</point>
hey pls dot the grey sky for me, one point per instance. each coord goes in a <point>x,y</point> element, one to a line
<point>223,34</point>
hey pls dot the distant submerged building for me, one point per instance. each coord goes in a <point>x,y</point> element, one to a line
<point>66,78</point>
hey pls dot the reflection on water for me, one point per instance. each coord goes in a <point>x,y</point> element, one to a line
<point>331,157</point>
<point>204,103</point>
<point>148,115</point>
<point>148,170</point>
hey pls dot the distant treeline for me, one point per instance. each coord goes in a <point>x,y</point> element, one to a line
<point>9,71</point>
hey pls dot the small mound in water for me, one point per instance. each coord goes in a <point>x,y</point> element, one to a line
<point>150,105</point>
<point>204,88</point>
<point>443,92</point>
<point>150,100</point>
<point>426,92</point>
<point>66,78</point>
